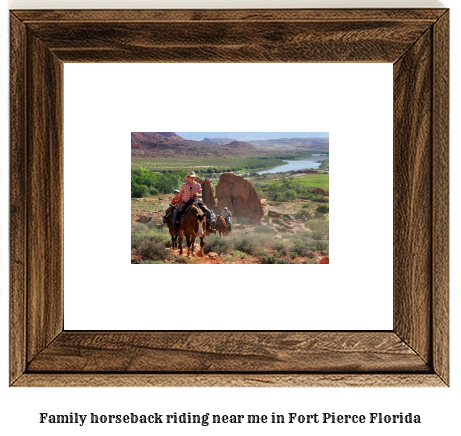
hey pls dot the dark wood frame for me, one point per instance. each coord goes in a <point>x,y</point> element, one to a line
<point>414,353</point>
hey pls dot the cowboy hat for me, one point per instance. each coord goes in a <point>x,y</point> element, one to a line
<point>191,174</point>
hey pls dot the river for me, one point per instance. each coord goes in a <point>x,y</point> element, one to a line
<point>296,165</point>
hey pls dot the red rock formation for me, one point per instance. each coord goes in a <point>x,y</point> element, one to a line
<point>264,206</point>
<point>240,196</point>
<point>273,212</point>
<point>171,135</point>
<point>208,195</point>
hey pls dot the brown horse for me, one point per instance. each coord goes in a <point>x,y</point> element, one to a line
<point>221,226</point>
<point>168,220</point>
<point>193,224</point>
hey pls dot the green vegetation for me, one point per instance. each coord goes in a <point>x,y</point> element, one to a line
<point>318,180</point>
<point>250,245</point>
<point>325,165</point>
<point>291,188</point>
<point>216,164</point>
<point>236,254</point>
<point>218,245</point>
<point>145,182</point>
<point>152,248</point>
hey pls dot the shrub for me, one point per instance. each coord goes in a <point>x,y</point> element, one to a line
<point>273,260</point>
<point>321,246</point>
<point>218,245</point>
<point>264,230</point>
<point>139,190</point>
<point>135,239</point>
<point>150,262</point>
<point>290,194</point>
<point>228,259</point>
<point>293,255</point>
<point>245,244</point>
<point>323,208</point>
<point>236,254</point>
<point>138,227</point>
<point>300,249</point>
<point>277,244</point>
<point>299,215</point>
<point>152,248</point>
<point>319,225</point>
<point>152,224</point>
<point>268,259</point>
<point>320,198</point>
<point>317,235</point>
<point>282,252</point>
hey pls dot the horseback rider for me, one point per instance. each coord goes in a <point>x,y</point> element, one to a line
<point>191,191</point>
<point>226,214</point>
<point>213,218</point>
<point>174,203</point>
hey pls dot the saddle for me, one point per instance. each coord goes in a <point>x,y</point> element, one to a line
<point>182,212</point>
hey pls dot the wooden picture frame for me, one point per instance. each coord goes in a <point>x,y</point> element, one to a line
<point>414,353</point>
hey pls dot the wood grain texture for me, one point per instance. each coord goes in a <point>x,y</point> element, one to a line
<point>230,380</point>
<point>203,15</point>
<point>311,41</point>
<point>44,197</point>
<point>18,189</point>
<point>440,205</point>
<point>210,352</point>
<point>413,196</point>
<point>414,354</point>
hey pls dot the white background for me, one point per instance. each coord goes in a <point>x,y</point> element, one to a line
<point>438,407</point>
<point>104,103</point>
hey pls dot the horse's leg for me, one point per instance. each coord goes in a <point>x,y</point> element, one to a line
<point>188,239</point>
<point>192,245</point>
<point>180,241</point>
<point>202,244</point>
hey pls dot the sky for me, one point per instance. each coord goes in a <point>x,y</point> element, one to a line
<point>251,136</point>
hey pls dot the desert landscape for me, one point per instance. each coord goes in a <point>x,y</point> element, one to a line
<point>277,190</point>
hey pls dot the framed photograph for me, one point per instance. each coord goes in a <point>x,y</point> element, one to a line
<point>415,352</point>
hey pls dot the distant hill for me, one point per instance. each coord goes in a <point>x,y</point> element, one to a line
<point>314,144</point>
<point>170,145</point>
<point>239,144</point>
<point>153,140</point>
<point>251,136</point>
<point>219,140</point>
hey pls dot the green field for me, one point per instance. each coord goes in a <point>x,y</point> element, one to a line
<point>311,180</point>
<point>317,180</point>
<point>219,163</point>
